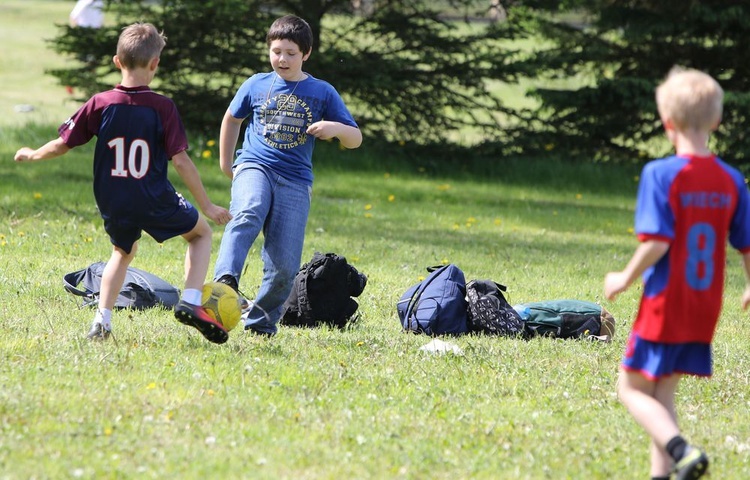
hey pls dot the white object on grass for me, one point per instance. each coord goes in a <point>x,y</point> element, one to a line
<point>441,347</point>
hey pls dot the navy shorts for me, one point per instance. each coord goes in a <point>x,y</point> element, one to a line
<point>654,360</point>
<point>124,232</point>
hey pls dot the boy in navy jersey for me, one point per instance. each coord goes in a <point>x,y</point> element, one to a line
<point>138,131</point>
<point>688,206</point>
<point>286,110</point>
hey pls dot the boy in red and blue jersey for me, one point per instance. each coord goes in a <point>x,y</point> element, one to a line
<point>138,132</point>
<point>689,205</point>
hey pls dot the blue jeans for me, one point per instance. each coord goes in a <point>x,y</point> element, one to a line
<point>263,200</point>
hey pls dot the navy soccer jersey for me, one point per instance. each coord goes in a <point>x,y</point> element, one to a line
<point>137,132</point>
<point>695,204</point>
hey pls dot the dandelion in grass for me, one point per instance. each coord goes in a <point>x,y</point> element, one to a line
<point>444,187</point>
<point>360,343</point>
<point>391,198</point>
<point>21,234</point>
<point>206,154</point>
<point>211,143</point>
<point>368,215</point>
<point>151,386</point>
<point>456,226</point>
<point>210,392</point>
<point>37,195</point>
<point>497,222</point>
<point>368,207</point>
<point>637,178</point>
<point>446,261</point>
<point>549,147</point>
<point>579,196</point>
<point>630,230</point>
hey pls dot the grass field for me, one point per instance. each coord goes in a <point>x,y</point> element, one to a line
<point>365,403</point>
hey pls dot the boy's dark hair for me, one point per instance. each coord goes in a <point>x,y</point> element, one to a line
<point>293,28</point>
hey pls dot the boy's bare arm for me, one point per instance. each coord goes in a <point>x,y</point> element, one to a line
<point>228,135</point>
<point>647,254</point>
<point>746,294</point>
<point>189,174</point>
<point>52,149</point>
<point>350,137</point>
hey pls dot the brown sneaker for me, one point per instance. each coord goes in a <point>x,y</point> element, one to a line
<point>195,316</point>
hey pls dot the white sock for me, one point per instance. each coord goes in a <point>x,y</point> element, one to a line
<point>104,316</point>
<point>192,296</point>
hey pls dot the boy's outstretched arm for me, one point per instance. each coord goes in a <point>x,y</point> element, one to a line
<point>350,137</point>
<point>189,174</point>
<point>228,135</point>
<point>647,254</point>
<point>53,148</point>
<point>746,294</point>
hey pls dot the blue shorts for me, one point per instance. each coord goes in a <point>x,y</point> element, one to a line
<point>654,360</point>
<point>124,232</point>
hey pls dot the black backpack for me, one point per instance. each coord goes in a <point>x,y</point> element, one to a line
<point>489,312</point>
<point>322,293</point>
<point>140,289</point>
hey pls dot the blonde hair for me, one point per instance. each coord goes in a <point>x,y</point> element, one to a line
<point>139,43</point>
<point>690,99</point>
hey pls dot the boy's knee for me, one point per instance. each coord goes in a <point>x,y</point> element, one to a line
<point>201,230</point>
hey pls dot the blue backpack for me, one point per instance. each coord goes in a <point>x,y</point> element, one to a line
<point>436,305</point>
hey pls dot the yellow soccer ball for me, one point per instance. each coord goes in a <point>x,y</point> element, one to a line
<point>222,304</point>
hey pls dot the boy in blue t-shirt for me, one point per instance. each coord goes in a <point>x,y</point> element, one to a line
<point>138,132</point>
<point>286,109</point>
<point>689,205</point>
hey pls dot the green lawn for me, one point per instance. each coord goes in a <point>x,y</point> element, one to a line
<point>161,402</point>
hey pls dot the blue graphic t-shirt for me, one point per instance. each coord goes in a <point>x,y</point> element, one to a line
<point>280,113</point>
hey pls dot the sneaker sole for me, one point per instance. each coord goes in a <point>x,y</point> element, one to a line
<point>697,469</point>
<point>211,331</point>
